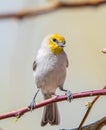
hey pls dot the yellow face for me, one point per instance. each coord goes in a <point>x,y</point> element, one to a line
<point>56,43</point>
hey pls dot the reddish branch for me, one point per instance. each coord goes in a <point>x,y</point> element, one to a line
<point>18,113</point>
<point>52,7</point>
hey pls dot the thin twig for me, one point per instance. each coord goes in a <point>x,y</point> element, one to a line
<point>52,7</point>
<point>88,111</point>
<point>98,125</point>
<point>18,113</point>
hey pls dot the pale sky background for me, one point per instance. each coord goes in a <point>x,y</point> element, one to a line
<point>85,33</point>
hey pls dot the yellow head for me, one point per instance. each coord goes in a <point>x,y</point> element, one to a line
<point>56,43</point>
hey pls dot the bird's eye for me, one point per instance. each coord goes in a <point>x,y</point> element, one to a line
<point>54,40</point>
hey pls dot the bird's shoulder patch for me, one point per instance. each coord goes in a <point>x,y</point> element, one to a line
<point>34,65</point>
<point>67,63</point>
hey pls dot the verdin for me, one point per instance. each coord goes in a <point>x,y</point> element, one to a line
<point>49,73</point>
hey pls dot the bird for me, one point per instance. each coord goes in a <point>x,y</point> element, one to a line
<point>49,69</point>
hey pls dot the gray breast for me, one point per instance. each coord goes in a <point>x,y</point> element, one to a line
<point>51,71</point>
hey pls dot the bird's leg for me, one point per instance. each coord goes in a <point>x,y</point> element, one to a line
<point>33,103</point>
<point>68,93</point>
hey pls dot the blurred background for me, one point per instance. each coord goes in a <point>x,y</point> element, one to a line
<point>85,33</point>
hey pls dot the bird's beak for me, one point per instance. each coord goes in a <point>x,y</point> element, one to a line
<point>61,44</point>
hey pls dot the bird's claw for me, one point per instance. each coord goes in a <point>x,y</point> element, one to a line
<point>69,96</point>
<point>32,105</point>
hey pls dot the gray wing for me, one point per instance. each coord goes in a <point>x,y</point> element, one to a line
<point>67,63</point>
<point>34,65</point>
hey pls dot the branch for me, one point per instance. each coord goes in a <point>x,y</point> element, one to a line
<point>90,105</point>
<point>52,7</point>
<point>18,113</point>
<point>93,126</point>
<point>103,50</point>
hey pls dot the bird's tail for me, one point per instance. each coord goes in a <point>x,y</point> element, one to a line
<point>50,114</point>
